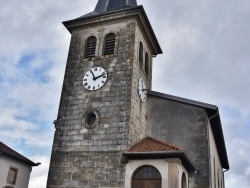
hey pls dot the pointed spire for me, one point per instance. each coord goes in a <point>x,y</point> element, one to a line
<point>109,5</point>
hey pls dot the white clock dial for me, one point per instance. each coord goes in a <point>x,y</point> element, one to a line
<point>95,78</point>
<point>142,90</point>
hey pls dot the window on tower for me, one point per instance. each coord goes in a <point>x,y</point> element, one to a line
<point>146,64</point>
<point>141,53</point>
<point>91,118</point>
<point>90,47</point>
<point>109,45</point>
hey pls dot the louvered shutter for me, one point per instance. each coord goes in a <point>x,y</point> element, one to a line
<point>109,45</point>
<point>90,47</point>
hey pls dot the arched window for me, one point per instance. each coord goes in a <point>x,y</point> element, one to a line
<point>146,177</point>
<point>90,47</point>
<point>146,64</point>
<point>183,181</point>
<point>109,44</point>
<point>141,54</point>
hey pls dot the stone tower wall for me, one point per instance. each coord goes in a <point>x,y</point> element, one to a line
<point>139,116</point>
<point>84,157</point>
<point>111,101</point>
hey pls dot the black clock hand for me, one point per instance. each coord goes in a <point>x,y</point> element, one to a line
<point>94,78</point>
<point>100,76</point>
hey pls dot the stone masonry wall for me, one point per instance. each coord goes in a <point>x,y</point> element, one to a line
<point>185,126</point>
<point>92,157</point>
<point>86,170</point>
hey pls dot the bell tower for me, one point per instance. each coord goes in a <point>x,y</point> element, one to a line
<point>103,106</point>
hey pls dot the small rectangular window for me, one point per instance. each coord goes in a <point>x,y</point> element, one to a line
<point>12,176</point>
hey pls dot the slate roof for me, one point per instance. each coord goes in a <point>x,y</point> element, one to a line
<point>11,153</point>
<point>106,6</point>
<point>183,100</point>
<point>109,5</point>
<point>151,148</point>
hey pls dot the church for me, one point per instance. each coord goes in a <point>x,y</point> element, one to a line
<point>112,130</point>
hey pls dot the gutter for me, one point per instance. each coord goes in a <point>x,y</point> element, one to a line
<point>217,113</point>
<point>153,152</point>
<point>37,164</point>
<point>188,163</point>
<point>133,11</point>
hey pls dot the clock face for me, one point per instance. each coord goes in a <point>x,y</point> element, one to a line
<point>95,78</point>
<point>142,90</point>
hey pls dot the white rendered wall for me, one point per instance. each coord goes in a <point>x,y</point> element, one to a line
<point>216,173</point>
<point>23,173</point>
<point>181,171</point>
<point>160,164</point>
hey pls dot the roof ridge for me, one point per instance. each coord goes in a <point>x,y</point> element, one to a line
<point>151,144</point>
<point>183,100</point>
<point>165,143</point>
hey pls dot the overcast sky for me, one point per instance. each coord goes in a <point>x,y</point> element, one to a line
<point>206,45</point>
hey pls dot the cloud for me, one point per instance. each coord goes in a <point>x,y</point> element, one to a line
<point>39,174</point>
<point>206,58</point>
<point>33,55</point>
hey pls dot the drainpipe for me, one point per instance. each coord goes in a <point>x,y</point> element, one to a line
<point>36,164</point>
<point>224,177</point>
<point>225,170</point>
